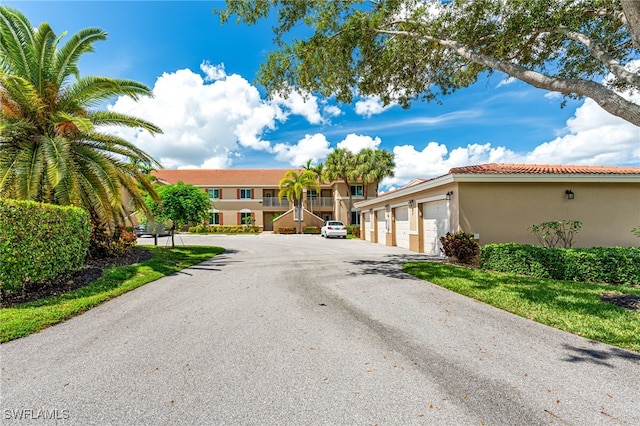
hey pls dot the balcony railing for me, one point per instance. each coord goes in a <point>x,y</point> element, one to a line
<point>274,202</point>
<point>315,202</point>
<point>320,202</point>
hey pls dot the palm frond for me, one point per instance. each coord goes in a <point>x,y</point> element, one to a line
<point>112,118</point>
<point>91,91</point>
<point>66,58</point>
<point>16,36</point>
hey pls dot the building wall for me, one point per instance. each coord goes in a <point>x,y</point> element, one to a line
<point>503,212</point>
<point>229,203</point>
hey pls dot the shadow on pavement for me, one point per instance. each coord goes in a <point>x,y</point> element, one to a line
<point>599,357</point>
<point>391,266</point>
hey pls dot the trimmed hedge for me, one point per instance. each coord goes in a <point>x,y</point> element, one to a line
<point>224,229</point>
<point>311,230</point>
<point>354,230</point>
<point>613,265</point>
<point>287,230</point>
<point>39,242</point>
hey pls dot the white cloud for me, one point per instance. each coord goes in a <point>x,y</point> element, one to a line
<point>301,104</point>
<point>332,111</point>
<point>213,72</point>
<point>356,143</point>
<point>314,147</point>
<point>435,159</point>
<point>507,81</point>
<point>592,137</point>
<point>553,95</point>
<point>371,105</point>
<point>203,124</point>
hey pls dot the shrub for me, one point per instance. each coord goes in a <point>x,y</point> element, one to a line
<point>108,243</point>
<point>286,230</point>
<point>460,246</point>
<point>39,242</point>
<point>523,259</point>
<point>224,229</point>
<point>311,230</point>
<point>613,265</point>
<point>556,233</point>
<point>354,230</point>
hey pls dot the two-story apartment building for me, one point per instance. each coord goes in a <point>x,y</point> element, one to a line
<point>236,194</point>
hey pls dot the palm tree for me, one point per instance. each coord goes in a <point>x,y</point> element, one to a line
<point>373,166</point>
<point>318,173</point>
<point>52,145</point>
<point>292,186</point>
<point>341,165</point>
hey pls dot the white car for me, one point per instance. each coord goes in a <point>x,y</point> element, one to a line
<point>333,228</point>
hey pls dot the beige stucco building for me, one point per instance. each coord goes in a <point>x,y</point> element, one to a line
<point>499,202</point>
<point>239,193</point>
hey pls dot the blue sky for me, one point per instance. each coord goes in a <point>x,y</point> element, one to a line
<point>213,116</point>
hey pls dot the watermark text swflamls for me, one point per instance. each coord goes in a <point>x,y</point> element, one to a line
<point>35,414</point>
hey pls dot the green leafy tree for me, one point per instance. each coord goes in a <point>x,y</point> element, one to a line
<point>373,165</point>
<point>292,186</point>
<point>181,204</point>
<point>341,164</point>
<point>404,50</point>
<point>53,147</point>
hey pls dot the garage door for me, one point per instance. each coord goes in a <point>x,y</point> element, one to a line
<point>402,227</point>
<point>435,224</point>
<point>381,224</point>
<point>367,226</point>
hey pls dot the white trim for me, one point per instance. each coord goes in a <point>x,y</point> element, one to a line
<point>430,199</point>
<point>396,205</point>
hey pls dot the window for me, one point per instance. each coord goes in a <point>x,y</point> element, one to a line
<point>312,194</point>
<point>356,190</point>
<point>355,218</point>
<point>245,218</point>
<point>214,194</point>
<point>214,218</point>
<point>245,194</point>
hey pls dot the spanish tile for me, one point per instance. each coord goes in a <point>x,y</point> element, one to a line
<point>543,169</point>
<point>222,177</point>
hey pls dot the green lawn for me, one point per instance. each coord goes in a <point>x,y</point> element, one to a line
<point>22,320</point>
<point>569,306</point>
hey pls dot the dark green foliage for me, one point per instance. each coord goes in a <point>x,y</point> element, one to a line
<point>460,246</point>
<point>40,242</point>
<point>613,265</point>
<point>180,203</point>
<point>354,230</point>
<point>412,51</point>
<point>108,243</point>
<point>311,230</point>
<point>224,229</point>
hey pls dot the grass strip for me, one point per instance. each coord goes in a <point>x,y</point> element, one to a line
<point>27,318</point>
<point>574,307</point>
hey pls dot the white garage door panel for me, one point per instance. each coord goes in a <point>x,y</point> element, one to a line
<point>435,217</point>
<point>382,227</point>
<point>367,226</point>
<point>402,227</point>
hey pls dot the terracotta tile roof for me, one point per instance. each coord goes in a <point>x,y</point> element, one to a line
<point>213,177</point>
<point>538,169</point>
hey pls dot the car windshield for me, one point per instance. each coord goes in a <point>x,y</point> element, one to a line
<point>335,224</point>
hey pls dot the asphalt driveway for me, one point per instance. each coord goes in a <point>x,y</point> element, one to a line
<point>292,330</point>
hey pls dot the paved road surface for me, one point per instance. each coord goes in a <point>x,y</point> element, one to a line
<point>299,330</point>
